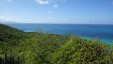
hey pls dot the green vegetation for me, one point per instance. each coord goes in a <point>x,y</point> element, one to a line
<point>18,47</point>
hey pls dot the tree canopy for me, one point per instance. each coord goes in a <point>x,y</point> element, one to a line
<point>18,47</point>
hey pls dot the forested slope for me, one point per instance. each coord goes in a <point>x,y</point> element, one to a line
<point>18,47</point>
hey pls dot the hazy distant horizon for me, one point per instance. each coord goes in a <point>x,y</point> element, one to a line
<point>49,23</point>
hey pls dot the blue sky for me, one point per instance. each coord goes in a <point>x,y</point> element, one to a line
<point>57,11</point>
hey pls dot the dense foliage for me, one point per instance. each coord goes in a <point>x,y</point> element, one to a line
<point>18,47</point>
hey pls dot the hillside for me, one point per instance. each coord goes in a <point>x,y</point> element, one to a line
<point>18,47</point>
<point>7,33</point>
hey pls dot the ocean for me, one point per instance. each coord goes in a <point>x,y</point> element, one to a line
<point>88,31</point>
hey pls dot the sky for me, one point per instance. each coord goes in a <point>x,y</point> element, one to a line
<point>57,11</point>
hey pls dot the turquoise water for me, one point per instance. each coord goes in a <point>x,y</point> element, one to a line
<point>92,31</point>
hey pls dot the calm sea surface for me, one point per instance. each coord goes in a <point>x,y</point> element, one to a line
<point>91,31</point>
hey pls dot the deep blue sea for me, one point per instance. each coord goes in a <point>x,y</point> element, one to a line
<point>90,31</point>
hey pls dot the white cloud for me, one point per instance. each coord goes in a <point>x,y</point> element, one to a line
<point>10,1</point>
<point>42,2</point>
<point>2,18</point>
<point>59,0</point>
<point>56,6</point>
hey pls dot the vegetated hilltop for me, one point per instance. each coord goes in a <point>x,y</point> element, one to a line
<point>8,33</point>
<point>18,47</point>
